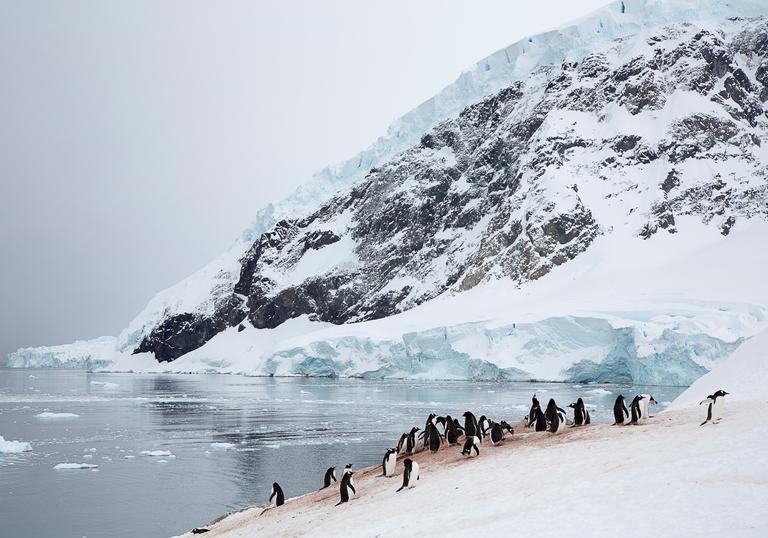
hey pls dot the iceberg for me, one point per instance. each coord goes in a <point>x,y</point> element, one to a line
<point>13,447</point>
<point>49,415</point>
<point>64,466</point>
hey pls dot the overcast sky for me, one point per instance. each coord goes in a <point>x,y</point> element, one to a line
<point>138,138</point>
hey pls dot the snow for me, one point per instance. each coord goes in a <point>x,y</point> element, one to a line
<point>744,376</point>
<point>668,471</point>
<point>49,415</point>
<point>200,292</point>
<point>13,447</point>
<point>61,466</point>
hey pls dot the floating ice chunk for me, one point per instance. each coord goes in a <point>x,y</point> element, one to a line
<point>32,376</point>
<point>162,461</point>
<point>13,447</point>
<point>49,415</point>
<point>157,453</point>
<point>88,456</point>
<point>104,384</point>
<point>599,392</point>
<point>60,466</point>
<point>129,457</point>
<point>222,446</point>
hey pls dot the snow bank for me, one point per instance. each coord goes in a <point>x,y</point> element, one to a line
<point>13,447</point>
<point>744,375</point>
<point>63,466</point>
<point>666,470</point>
<point>49,415</point>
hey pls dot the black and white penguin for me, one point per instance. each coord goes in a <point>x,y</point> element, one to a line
<point>200,530</point>
<point>470,424</point>
<point>388,464</point>
<point>497,431</point>
<point>620,412</point>
<point>277,495</point>
<point>483,426</point>
<point>410,443</point>
<point>441,422</point>
<point>348,467</point>
<point>538,421</point>
<point>635,409</point>
<point>452,432</point>
<point>645,404</point>
<point>432,437</point>
<point>472,443</point>
<point>425,431</point>
<point>401,443</point>
<point>346,486</point>
<point>532,414</point>
<point>410,474</point>
<point>330,477</point>
<point>715,407</point>
<point>580,413</point>
<point>555,417</point>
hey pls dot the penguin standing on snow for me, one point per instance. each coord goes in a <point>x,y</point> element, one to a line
<point>483,425</point>
<point>346,486</point>
<point>537,420</point>
<point>388,465</point>
<point>472,443</point>
<point>620,412</point>
<point>645,404</point>
<point>532,414</point>
<point>452,432</point>
<point>277,495</point>
<point>330,477</point>
<point>555,417</point>
<point>635,409</point>
<point>401,443</point>
<point>410,443</point>
<point>432,437</point>
<point>410,474</point>
<point>715,407</point>
<point>470,424</point>
<point>497,431</point>
<point>580,413</point>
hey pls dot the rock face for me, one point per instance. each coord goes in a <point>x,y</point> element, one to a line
<point>645,130</point>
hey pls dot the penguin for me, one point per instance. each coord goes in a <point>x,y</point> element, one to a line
<point>580,413</point>
<point>635,409</point>
<point>620,413</point>
<point>410,474</point>
<point>330,477</point>
<point>346,486</point>
<point>497,432</point>
<point>441,421</point>
<point>532,414</point>
<point>483,425</point>
<point>401,442</point>
<point>452,433</point>
<point>469,445</point>
<point>539,421</point>
<point>715,407</point>
<point>432,438</point>
<point>388,464</point>
<point>645,404</point>
<point>200,530</point>
<point>425,431</point>
<point>458,425</point>
<point>555,417</point>
<point>348,467</point>
<point>277,494</point>
<point>410,444</point>
<point>470,424</point>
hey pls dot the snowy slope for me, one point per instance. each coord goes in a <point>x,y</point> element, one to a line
<point>744,376</point>
<point>201,291</point>
<point>597,481</point>
<point>642,156</point>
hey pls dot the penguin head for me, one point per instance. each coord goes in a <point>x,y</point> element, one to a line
<point>275,486</point>
<point>653,401</point>
<point>721,393</point>
<point>348,466</point>
<point>573,405</point>
<point>407,463</point>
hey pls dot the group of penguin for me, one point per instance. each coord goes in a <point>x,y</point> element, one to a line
<point>553,419</point>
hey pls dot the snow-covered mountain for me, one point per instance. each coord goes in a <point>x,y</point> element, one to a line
<point>630,133</point>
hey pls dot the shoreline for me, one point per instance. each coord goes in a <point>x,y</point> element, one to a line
<point>585,459</point>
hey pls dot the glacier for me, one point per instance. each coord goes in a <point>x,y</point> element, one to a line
<point>583,340</point>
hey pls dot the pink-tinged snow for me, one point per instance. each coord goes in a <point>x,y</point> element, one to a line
<point>744,375</point>
<point>669,477</point>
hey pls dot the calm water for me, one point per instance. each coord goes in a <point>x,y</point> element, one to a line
<point>288,430</point>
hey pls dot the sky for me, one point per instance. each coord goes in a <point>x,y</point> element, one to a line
<point>137,139</point>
